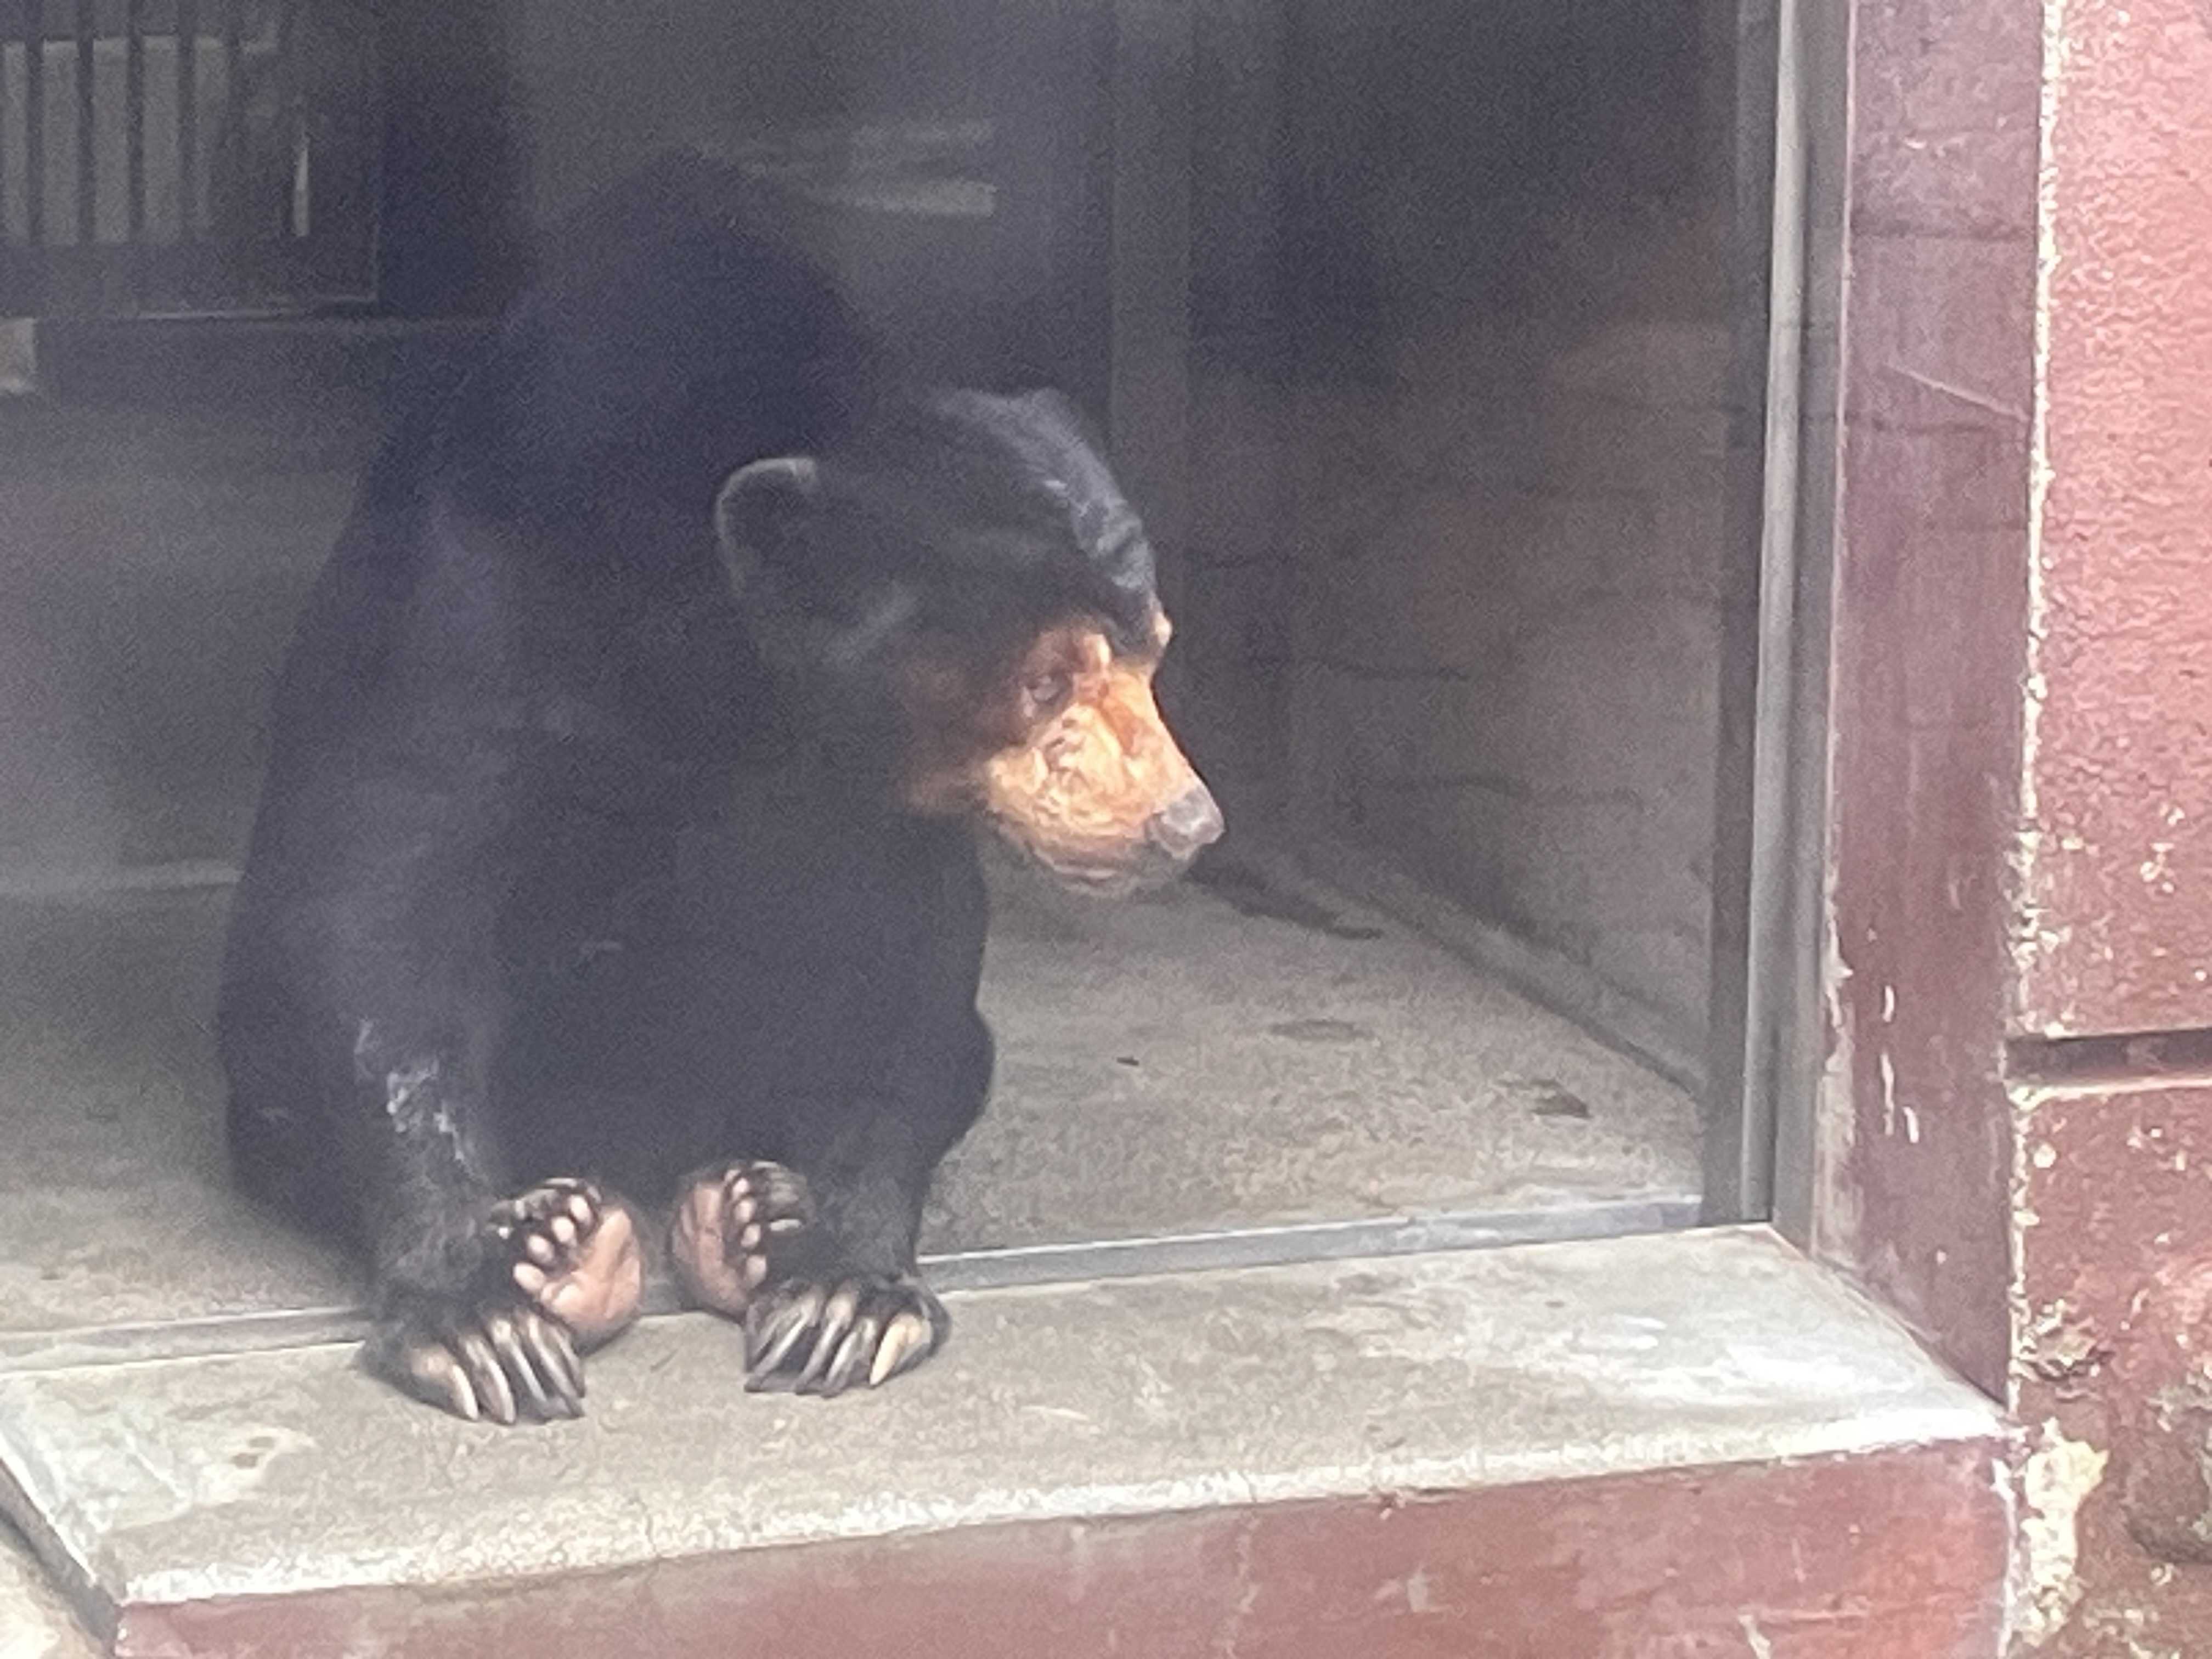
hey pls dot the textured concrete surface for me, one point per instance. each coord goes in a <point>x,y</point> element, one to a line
<point>1168,1067</point>
<point>115,1205</point>
<point>1175,1064</point>
<point>35,1622</point>
<point>285,1472</point>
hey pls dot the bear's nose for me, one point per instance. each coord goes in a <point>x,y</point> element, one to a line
<point>1186,824</point>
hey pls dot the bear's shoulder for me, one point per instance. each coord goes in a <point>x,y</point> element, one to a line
<point>677,328</point>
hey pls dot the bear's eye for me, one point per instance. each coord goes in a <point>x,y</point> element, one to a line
<point>1047,693</point>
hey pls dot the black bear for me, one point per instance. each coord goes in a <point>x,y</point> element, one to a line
<point>615,886</point>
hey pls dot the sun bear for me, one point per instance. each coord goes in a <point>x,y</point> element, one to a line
<point>615,888</point>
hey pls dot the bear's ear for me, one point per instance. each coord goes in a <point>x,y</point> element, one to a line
<point>758,510</point>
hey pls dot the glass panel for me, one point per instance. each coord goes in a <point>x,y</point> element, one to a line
<point>1409,329</point>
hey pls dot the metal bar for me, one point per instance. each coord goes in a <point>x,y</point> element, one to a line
<point>188,119</point>
<point>1747,1187</point>
<point>956,1272</point>
<point>295,216</point>
<point>134,105</point>
<point>225,160</point>
<point>1290,1245</point>
<point>1148,416</point>
<point>1785,1050</point>
<point>1737,1130</point>
<point>88,163</point>
<point>5,146</point>
<point>34,121</point>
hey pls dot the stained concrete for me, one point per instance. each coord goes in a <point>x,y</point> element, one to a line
<point>1176,1064</point>
<point>280,1472</point>
<point>1169,1067</point>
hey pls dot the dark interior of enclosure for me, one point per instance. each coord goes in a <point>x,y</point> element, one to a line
<point>1411,325</point>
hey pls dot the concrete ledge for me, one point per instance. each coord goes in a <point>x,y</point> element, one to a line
<point>256,1498</point>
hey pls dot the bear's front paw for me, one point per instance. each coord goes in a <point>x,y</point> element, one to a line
<point>573,1254</point>
<point>499,1357</point>
<point>825,1336</point>
<point>736,1227</point>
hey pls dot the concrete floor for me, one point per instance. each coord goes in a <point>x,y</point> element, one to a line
<point>1179,1065</point>
<point>1170,1066</point>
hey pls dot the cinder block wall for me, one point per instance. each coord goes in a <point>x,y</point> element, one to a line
<point>1505,674</point>
<point>1452,590</point>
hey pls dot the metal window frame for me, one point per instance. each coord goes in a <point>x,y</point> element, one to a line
<point>1793,91</point>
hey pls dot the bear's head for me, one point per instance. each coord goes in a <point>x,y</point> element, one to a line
<point>963,576</point>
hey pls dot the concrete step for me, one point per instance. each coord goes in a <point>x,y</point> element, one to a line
<point>1382,1457</point>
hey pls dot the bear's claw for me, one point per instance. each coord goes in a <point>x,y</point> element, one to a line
<point>497,1360</point>
<point>824,1338</point>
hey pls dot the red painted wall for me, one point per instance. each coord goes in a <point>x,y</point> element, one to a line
<point>2119,926</point>
<point>1899,1555</point>
<point>1929,654</point>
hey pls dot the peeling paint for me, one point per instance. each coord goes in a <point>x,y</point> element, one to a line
<point>2060,1343</point>
<point>2030,945</point>
<point>2058,1475</point>
<point>2157,870</point>
<point>2129,1626</point>
<point>1760,1647</point>
<point>1837,1216</point>
<point>1231,1637</point>
<point>2020,1195</point>
<point>1418,1597</point>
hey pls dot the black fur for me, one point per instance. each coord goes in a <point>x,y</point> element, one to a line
<point>574,859</point>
